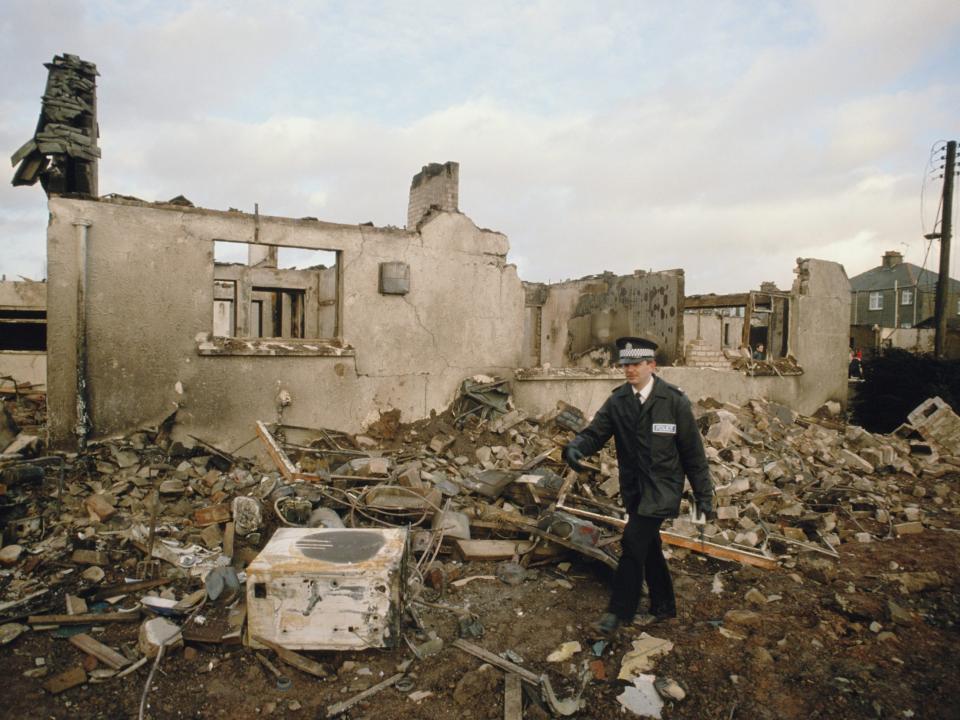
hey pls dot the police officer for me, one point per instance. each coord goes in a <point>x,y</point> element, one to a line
<point>657,443</point>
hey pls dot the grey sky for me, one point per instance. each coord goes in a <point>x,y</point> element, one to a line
<point>725,138</point>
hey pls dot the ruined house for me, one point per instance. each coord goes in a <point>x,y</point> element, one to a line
<point>224,318</point>
<point>23,333</point>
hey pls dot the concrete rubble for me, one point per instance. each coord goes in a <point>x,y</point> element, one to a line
<point>144,530</point>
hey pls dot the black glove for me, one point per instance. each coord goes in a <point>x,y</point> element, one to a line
<point>572,456</point>
<point>705,508</point>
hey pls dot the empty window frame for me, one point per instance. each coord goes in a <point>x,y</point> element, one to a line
<point>268,291</point>
<point>876,301</point>
<point>23,330</point>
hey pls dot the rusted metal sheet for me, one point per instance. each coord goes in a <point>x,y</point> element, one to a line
<point>327,589</point>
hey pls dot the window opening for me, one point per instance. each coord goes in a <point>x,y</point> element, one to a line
<point>23,330</point>
<point>269,291</point>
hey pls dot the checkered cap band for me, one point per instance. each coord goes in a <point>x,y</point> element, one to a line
<point>633,353</point>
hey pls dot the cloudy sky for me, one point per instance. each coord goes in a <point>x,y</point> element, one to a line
<point>726,138</point>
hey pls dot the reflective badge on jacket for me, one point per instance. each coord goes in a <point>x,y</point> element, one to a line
<point>665,428</point>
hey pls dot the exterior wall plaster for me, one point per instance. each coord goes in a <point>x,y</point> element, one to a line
<point>25,366</point>
<point>149,313</point>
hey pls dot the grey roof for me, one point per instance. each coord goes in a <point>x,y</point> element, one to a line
<point>903,275</point>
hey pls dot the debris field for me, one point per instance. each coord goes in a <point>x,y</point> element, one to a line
<point>131,573</point>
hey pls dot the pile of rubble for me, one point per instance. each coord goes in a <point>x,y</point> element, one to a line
<point>148,530</point>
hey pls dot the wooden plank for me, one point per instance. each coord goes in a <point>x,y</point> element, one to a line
<point>107,655</point>
<point>707,548</point>
<point>719,551</point>
<point>497,661</point>
<point>84,619</point>
<point>337,708</point>
<point>66,680</point>
<point>280,459</point>
<point>295,659</point>
<point>512,697</point>
<point>490,512</point>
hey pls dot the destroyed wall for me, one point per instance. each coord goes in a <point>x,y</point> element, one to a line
<point>718,331</point>
<point>818,339</point>
<point>435,186</point>
<point>580,319</point>
<point>149,315</point>
<point>23,332</point>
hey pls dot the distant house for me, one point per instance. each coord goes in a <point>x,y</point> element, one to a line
<point>892,305</point>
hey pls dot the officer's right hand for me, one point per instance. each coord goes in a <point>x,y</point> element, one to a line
<point>573,456</point>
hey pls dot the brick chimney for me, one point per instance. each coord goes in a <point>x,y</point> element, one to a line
<point>435,185</point>
<point>892,258</point>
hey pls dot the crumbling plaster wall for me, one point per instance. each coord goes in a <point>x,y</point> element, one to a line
<point>579,315</point>
<point>149,312</point>
<point>818,339</point>
<point>820,331</point>
<point>25,366</point>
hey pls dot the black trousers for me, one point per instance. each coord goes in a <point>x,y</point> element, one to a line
<point>642,558</point>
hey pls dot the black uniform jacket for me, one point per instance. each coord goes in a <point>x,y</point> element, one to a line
<point>656,446</point>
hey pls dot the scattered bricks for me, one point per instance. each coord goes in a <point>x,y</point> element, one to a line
<point>93,574</point>
<point>736,487</point>
<point>610,487</point>
<point>728,512</point>
<point>377,467</point>
<point>936,422</point>
<point>911,513</point>
<point>864,537</point>
<point>172,487</point>
<point>190,653</point>
<point>90,557</point>
<point>66,680</point>
<point>441,442</point>
<point>775,470</point>
<point>10,555</point>
<point>100,507</point>
<point>755,597</point>
<point>212,515</point>
<point>791,509</point>
<point>211,478</point>
<point>75,605</point>
<point>743,619</point>
<point>887,455</point>
<point>794,533</point>
<point>211,536</point>
<point>750,538</point>
<point>410,477</point>
<point>855,462</point>
<point>908,528</point>
<point>874,456</point>
<point>898,614</point>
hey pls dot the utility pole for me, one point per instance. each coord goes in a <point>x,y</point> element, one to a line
<point>943,280</point>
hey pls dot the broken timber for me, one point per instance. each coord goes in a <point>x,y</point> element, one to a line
<point>337,708</point>
<point>707,548</point>
<point>525,524</point>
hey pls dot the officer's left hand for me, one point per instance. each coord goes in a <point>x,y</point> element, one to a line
<point>705,508</point>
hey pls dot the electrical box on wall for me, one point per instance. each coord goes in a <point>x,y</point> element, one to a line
<point>328,589</point>
<point>394,278</point>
